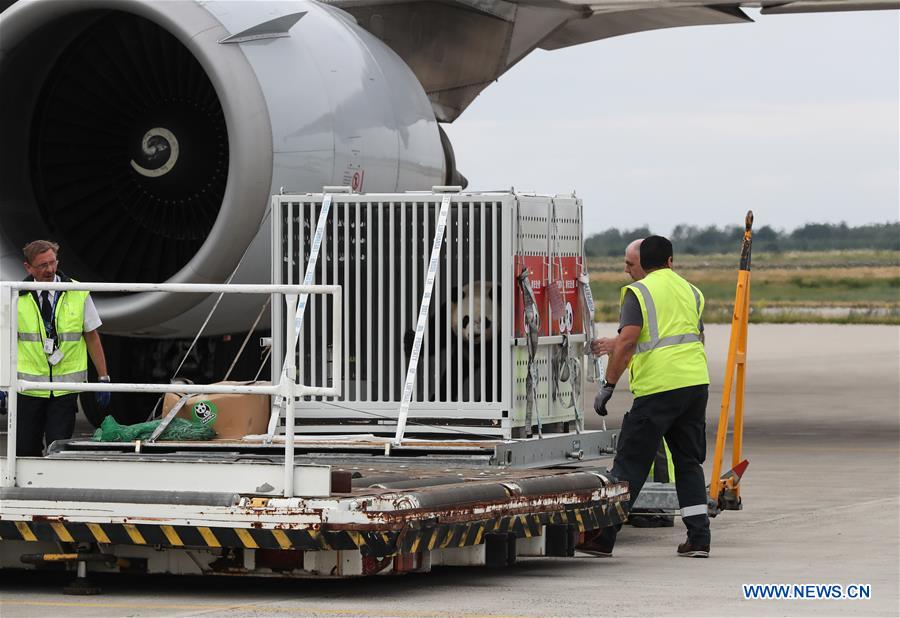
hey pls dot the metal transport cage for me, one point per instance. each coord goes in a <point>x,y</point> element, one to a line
<point>472,371</point>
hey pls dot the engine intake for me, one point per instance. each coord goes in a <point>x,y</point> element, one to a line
<point>129,139</point>
<point>148,137</point>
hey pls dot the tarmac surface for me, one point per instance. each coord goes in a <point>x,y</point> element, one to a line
<point>821,506</point>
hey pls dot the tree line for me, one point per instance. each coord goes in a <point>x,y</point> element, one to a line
<point>696,240</point>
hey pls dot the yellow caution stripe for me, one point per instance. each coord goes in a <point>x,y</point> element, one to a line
<point>378,543</point>
<point>61,532</point>
<point>134,534</point>
<point>25,531</point>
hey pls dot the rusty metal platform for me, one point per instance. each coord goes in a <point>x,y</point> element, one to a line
<point>395,518</point>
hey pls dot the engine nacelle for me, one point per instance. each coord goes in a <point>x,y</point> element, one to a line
<point>146,137</point>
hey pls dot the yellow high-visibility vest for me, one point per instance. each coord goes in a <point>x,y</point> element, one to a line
<point>669,352</point>
<point>32,361</point>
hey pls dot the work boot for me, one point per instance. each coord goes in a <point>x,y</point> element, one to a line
<point>689,550</point>
<point>595,546</point>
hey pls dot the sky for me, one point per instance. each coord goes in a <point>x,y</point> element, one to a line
<point>794,117</point>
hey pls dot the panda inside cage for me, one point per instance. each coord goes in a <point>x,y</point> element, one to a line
<point>379,252</point>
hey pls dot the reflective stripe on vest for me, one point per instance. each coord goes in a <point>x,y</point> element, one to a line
<point>655,340</point>
<point>32,377</point>
<point>69,323</point>
<point>78,376</point>
<point>669,353</point>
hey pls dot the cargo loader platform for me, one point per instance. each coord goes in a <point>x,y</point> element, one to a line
<point>194,515</point>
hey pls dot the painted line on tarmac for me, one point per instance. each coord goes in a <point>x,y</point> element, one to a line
<point>823,511</point>
<point>305,610</point>
<point>823,448</point>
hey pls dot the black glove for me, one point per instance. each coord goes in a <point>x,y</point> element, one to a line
<point>603,396</point>
<point>103,397</point>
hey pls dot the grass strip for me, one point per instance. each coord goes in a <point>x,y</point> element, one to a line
<point>835,287</point>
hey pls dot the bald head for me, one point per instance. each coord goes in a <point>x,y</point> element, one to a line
<point>633,260</point>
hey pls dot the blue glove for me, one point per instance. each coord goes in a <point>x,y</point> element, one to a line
<point>103,397</point>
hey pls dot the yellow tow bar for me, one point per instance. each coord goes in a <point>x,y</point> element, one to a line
<point>725,491</point>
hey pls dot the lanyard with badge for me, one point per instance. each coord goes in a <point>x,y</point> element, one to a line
<point>51,349</point>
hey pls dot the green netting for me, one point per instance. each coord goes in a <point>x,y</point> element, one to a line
<point>179,429</point>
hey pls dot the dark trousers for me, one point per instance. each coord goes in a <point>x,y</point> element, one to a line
<point>679,416</point>
<point>42,418</point>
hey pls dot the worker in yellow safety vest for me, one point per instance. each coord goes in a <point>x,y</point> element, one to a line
<point>663,469</point>
<point>668,374</point>
<point>57,331</point>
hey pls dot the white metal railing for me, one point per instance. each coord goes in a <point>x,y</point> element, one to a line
<point>287,388</point>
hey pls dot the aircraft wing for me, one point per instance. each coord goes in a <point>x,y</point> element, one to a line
<point>458,47</point>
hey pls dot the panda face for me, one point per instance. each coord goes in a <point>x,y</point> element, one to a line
<point>473,316</point>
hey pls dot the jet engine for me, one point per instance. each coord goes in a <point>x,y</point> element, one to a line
<point>147,137</point>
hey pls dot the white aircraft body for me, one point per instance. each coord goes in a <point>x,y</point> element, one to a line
<point>146,137</point>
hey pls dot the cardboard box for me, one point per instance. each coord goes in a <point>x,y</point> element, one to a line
<point>230,416</point>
